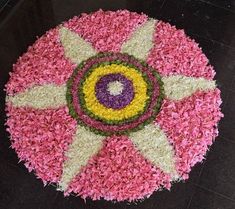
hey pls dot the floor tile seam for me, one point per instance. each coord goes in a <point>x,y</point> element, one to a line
<point>214,192</point>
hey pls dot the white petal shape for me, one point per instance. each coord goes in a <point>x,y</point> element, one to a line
<point>141,41</point>
<point>76,48</point>
<point>178,87</point>
<point>40,97</point>
<point>152,143</point>
<point>85,145</point>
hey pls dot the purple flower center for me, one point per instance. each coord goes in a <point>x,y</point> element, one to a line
<point>120,100</point>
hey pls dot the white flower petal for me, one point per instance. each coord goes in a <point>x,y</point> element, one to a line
<point>85,145</point>
<point>76,48</point>
<point>152,143</point>
<point>115,88</point>
<point>178,87</point>
<point>40,97</point>
<point>141,41</point>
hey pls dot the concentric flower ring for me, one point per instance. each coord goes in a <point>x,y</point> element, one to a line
<point>112,105</point>
<point>86,107</point>
<point>111,91</point>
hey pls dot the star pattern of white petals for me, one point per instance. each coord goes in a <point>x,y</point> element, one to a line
<point>151,141</point>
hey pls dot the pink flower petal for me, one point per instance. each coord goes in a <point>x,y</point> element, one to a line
<point>175,53</point>
<point>118,172</point>
<point>191,126</point>
<point>106,30</point>
<point>40,138</point>
<point>44,62</point>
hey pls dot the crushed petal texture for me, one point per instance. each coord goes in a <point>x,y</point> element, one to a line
<point>191,125</point>
<point>107,31</point>
<point>175,53</point>
<point>43,63</point>
<point>40,138</point>
<point>119,172</point>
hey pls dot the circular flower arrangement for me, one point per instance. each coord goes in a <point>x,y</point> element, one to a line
<point>112,105</point>
<point>114,94</point>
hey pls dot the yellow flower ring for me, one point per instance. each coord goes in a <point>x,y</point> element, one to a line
<point>111,94</point>
<point>136,105</point>
<point>94,106</point>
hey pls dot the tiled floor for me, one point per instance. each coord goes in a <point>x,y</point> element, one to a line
<point>210,22</point>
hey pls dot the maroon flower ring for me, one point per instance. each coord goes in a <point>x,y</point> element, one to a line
<point>59,104</point>
<point>77,105</point>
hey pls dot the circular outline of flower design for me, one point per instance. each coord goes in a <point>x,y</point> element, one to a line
<point>85,117</point>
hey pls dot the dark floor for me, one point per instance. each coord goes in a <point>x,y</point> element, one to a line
<point>209,22</point>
